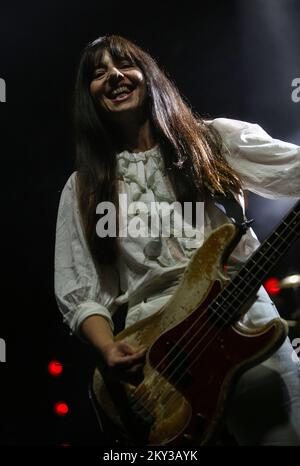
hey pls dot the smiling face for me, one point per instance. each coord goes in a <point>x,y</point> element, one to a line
<point>118,86</point>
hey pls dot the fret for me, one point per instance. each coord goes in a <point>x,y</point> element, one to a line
<point>262,267</point>
<point>236,296</point>
<point>252,274</point>
<point>249,273</point>
<point>287,225</point>
<point>280,237</point>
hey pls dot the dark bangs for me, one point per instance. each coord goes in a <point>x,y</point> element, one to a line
<point>118,48</point>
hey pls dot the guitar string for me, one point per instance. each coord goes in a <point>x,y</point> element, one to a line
<point>230,293</point>
<point>139,399</point>
<point>221,316</point>
<point>207,344</point>
<point>171,399</point>
<point>275,251</point>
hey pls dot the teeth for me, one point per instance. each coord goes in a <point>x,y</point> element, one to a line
<point>119,90</point>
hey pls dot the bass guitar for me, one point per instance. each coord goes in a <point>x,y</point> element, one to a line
<point>197,345</point>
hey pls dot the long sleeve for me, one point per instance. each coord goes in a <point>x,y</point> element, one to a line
<point>267,166</point>
<point>80,289</point>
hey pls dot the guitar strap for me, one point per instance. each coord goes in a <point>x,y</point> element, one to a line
<point>232,209</point>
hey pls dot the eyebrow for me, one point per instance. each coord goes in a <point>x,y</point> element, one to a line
<point>100,65</point>
<point>117,59</point>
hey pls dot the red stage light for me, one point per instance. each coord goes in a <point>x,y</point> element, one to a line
<point>55,368</point>
<point>61,408</point>
<point>272,285</point>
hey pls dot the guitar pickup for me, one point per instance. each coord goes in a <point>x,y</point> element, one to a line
<point>140,411</point>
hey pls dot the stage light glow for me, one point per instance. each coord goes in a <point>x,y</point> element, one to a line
<point>55,368</point>
<point>272,286</point>
<point>61,408</point>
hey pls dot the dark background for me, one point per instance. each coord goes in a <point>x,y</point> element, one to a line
<point>235,59</point>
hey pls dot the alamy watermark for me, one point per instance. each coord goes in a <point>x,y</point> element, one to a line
<point>2,90</point>
<point>2,350</point>
<point>152,219</point>
<point>296,352</point>
<point>296,91</point>
<point>2,341</point>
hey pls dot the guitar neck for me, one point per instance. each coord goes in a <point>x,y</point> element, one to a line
<point>257,268</point>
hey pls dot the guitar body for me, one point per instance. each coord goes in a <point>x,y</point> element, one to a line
<point>193,358</point>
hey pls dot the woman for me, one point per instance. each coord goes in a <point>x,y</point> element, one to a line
<point>136,136</point>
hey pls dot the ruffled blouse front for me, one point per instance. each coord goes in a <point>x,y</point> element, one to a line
<point>150,267</point>
<point>145,183</point>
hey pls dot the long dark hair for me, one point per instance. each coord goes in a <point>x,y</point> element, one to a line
<point>192,150</point>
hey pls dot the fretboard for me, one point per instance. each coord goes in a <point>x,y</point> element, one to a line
<point>235,295</point>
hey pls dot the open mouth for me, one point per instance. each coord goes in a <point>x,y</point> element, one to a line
<point>120,93</point>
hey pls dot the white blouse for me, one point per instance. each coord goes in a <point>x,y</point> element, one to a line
<point>149,269</point>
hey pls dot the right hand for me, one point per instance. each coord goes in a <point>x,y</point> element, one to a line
<point>124,362</point>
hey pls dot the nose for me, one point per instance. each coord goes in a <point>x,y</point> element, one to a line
<point>115,75</point>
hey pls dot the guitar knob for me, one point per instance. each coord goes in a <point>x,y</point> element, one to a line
<point>187,439</point>
<point>200,421</point>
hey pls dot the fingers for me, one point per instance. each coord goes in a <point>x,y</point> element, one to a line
<point>131,359</point>
<point>130,349</point>
<point>126,362</point>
